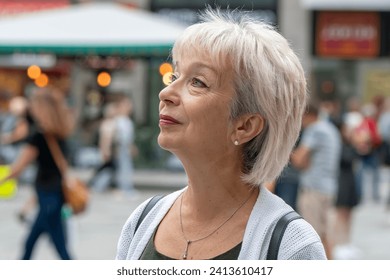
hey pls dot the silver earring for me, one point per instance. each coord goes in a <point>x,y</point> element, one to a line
<point>236,142</point>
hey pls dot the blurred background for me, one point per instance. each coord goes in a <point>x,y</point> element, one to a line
<point>99,51</point>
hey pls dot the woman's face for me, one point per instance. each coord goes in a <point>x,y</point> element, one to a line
<point>195,107</point>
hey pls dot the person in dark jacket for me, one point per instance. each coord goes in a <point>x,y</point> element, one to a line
<point>52,118</point>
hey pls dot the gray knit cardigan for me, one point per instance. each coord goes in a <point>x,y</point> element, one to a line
<point>300,240</point>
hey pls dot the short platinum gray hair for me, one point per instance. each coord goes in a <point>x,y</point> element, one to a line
<point>269,80</point>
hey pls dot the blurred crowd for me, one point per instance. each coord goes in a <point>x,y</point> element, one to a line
<point>35,132</point>
<point>112,155</point>
<point>341,161</point>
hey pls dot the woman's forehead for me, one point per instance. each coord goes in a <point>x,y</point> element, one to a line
<point>216,61</point>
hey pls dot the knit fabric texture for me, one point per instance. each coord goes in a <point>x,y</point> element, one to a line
<point>300,240</point>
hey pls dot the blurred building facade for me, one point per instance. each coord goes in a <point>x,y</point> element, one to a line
<point>345,46</point>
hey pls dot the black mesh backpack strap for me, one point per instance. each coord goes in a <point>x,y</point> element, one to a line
<point>278,233</point>
<point>149,206</point>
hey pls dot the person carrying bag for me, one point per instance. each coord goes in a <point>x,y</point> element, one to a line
<point>52,117</point>
<point>76,192</point>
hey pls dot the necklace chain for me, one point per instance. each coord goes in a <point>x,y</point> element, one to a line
<point>188,241</point>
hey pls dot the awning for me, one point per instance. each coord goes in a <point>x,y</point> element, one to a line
<point>347,5</point>
<point>89,29</point>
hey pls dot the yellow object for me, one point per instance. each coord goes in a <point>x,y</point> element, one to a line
<point>8,188</point>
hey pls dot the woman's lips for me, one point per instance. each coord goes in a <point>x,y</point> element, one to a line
<point>168,120</point>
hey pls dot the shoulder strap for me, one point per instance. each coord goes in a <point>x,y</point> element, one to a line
<point>278,233</point>
<point>149,206</point>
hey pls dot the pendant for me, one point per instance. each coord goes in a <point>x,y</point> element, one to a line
<point>185,254</point>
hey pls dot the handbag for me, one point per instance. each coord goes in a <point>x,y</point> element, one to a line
<point>76,192</point>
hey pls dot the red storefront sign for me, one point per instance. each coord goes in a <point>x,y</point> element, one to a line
<point>347,34</point>
<point>12,7</point>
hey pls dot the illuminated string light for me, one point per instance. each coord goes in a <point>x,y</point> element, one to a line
<point>33,72</point>
<point>104,79</point>
<point>165,68</point>
<point>167,78</point>
<point>42,80</point>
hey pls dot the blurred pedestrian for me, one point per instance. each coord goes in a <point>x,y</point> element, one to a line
<point>367,141</point>
<point>287,185</point>
<point>231,114</point>
<point>318,158</point>
<point>51,117</point>
<point>103,176</point>
<point>123,142</point>
<point>347,199</point>
<point>329,109</point>
<point>353,117</point>
<point>384,131</point>
<point>14,129</point>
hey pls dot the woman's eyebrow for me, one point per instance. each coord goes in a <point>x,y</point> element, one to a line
<point>201,65</point>
<point>198,65</point>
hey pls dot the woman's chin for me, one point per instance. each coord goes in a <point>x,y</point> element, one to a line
<point>164,143</point>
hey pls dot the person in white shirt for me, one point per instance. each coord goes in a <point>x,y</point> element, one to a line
<point>124,146</point>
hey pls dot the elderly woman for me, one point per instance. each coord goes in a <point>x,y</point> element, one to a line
<point>51,117</point>
<point>231,114</point>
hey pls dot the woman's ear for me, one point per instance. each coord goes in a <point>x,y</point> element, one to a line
<point>247,127</point>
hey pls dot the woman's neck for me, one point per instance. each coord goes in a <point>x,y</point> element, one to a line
<point>214,189</point>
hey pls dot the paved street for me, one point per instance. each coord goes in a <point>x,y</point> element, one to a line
<point>94,235</point>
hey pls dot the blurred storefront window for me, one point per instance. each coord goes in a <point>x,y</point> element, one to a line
<point>350,49</point>
<point>346,35</point>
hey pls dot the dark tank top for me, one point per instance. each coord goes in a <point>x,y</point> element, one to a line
<point>150,252</point>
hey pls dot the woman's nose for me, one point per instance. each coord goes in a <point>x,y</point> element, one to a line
<point>169,95</point>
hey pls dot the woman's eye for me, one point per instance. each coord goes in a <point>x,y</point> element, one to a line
<point>197,83</point>
<point>173,78</point>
